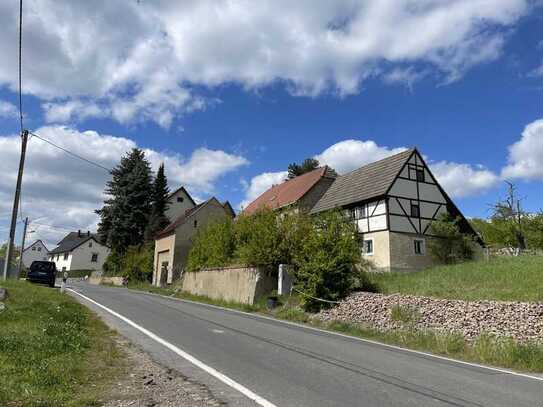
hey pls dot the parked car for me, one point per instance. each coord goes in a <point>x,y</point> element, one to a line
<point>42,272</point>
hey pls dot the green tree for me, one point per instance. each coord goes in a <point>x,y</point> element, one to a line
<point>309,164</point>
<point>125,214</point>
<point>509,213</point>
<point>450,245</point>
<point>15,254</point>
<point>158,219</point>
<point>328,264</point>
<point>212,247</point>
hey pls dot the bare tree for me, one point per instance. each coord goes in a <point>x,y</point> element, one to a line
<point>510,211</point>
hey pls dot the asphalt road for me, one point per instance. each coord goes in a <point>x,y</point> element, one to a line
<point>289,365</point>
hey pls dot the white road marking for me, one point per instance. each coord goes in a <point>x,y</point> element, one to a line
<point>215,373</point>
<point>431,355</point>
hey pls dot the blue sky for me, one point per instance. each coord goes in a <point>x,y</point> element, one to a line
<point>229,102</point>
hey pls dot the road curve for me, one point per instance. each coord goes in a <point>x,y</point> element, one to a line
<point>289,365</point>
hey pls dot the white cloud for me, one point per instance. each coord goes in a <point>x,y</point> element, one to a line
<point>525,158</point>
<point>154,67</point>
<point>462,180</point>
<point>259,184</point>
<point>537,72</point>
<point>8,110</point>
<point>62,191</point>
<point>348,155</point>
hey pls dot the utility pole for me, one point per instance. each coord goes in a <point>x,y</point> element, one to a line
<point>22,248</point>
<point>9,251</point>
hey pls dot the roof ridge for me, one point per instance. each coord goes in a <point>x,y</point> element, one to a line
<point>410,150</point>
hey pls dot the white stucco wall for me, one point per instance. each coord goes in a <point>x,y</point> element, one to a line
<point>81,257</point>
<point>35,252</point>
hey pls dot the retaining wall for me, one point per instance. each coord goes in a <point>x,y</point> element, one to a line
<point>241,284</point>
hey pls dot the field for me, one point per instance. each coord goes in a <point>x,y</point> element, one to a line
<point>504,279</point>
<point>53,351</point>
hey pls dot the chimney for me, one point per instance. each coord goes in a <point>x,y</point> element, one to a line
<point>88,233</point>
<point>79,233</point>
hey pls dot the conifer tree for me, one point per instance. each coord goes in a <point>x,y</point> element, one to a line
<point>158,219</point>
<point>125,214</point>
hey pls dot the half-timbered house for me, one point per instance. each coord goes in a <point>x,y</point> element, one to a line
<point>393,202</point>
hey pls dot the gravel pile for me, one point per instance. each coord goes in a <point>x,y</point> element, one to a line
<point>520,321</point>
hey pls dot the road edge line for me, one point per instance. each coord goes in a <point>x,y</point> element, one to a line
<point>386,345</point>
<point>208,369</point>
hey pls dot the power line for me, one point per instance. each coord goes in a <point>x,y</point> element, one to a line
<point>72,153</point>
<point>20,62</point>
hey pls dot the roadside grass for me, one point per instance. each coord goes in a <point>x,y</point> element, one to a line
<point>502,279</point>
<point>486,349</point>
<point>53,350</point>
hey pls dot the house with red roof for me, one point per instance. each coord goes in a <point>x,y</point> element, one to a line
<point>301,192</point>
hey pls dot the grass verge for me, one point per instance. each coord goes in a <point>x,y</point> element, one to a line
<point>502,279</point>
<point>53,350</point>
<point>486,349</point>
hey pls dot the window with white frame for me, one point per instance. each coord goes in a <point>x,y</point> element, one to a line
<point>367,246</point>
<point>419,246</point>
<point>66,256</point>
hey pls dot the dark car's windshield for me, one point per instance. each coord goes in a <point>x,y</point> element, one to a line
<point>41,266</point>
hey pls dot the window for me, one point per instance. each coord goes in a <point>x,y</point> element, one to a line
<point>367,246</point>
<point>361,212</point>
<point>34,249</point>
<point>420,175</point>
<point>39,249</point>
<point>94,258</point>
<point>180,199</point>
<point>415,210</point>
<point>90,244</point>
<point>195,223</point>
<point>66,256</point>
<point>419,246</point>
<point>63,268</point>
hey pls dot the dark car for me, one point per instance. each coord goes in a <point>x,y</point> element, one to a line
<point>42,272</point>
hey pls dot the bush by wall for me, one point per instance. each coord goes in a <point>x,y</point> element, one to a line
<point>136,264</point>
<point>451,246</point>
<point>213,246</point>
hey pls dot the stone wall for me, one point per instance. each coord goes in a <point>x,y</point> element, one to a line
<point>118,281</point>
<point>243,285</point>
<point>520,321</point>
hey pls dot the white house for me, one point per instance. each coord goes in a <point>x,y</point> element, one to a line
<point>35,252</point>
<point>79,251</point>
<point>393,202</point>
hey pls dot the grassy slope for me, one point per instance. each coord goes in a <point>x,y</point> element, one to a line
<point>53,351</point>
<point>504,279</point>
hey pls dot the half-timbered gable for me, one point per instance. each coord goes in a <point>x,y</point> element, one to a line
<point>393,202</point>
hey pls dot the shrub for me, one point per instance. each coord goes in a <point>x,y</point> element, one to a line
<point>136,264</point>
<point>326,263</point>
<point>212,247</point>
<point>258,239</point>
<point>451,245</point>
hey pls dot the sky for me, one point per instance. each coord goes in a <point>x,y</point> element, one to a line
<point>227,93</point>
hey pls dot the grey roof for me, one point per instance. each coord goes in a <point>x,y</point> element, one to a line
<point>370,181</point>
<point>73,240</point>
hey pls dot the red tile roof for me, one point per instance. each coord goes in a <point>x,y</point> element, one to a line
<point>287,192</point>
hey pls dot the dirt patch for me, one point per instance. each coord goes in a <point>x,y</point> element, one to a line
<point>148,384</point>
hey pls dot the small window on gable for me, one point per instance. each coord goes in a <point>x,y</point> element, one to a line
<point>180,199</point>
<point>418,246</point>
<point>34,249</point>
<point>415,210</point>
<point>94,258</point>
<point>90,244</point>
<point>420,175</point>
<point>367,246</point>
<point>195,223</point>
<point>39,249</point>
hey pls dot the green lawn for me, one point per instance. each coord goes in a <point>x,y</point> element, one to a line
<point>505,279</point>
<point>53,351</point>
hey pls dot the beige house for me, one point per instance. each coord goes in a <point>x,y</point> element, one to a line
<point>37,251</point>
<point>173,244</point>
<point>393,203</point>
